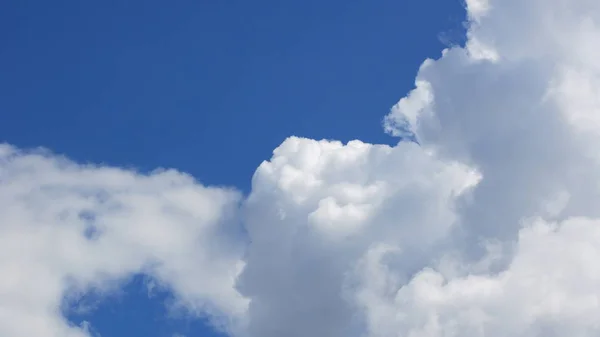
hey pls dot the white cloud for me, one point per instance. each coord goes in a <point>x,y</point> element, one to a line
<point>477,9</point>
<point>164,224</point>
<point>489,227</point>
<point>318,206</point>
<point>550,288</point>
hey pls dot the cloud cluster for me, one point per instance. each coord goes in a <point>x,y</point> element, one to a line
<point>490,226</point>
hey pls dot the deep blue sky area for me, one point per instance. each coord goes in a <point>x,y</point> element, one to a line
<point>137,311</point>
<point>209,87</point>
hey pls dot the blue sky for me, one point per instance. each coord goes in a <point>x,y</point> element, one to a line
<point>207,87</point>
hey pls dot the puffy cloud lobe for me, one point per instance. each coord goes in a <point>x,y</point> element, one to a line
<point>550,288</point>
<point>317,207</point>
<point>526,122</point>
<point>66,229</point>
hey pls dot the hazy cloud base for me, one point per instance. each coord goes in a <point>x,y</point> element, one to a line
<point>489,227</point>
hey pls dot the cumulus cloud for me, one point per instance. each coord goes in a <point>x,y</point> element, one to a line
<point>489,226</point>
<point>318,206</point>
<point>67,229</point>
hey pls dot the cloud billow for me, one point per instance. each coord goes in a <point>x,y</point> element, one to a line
<point>490,226</point>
